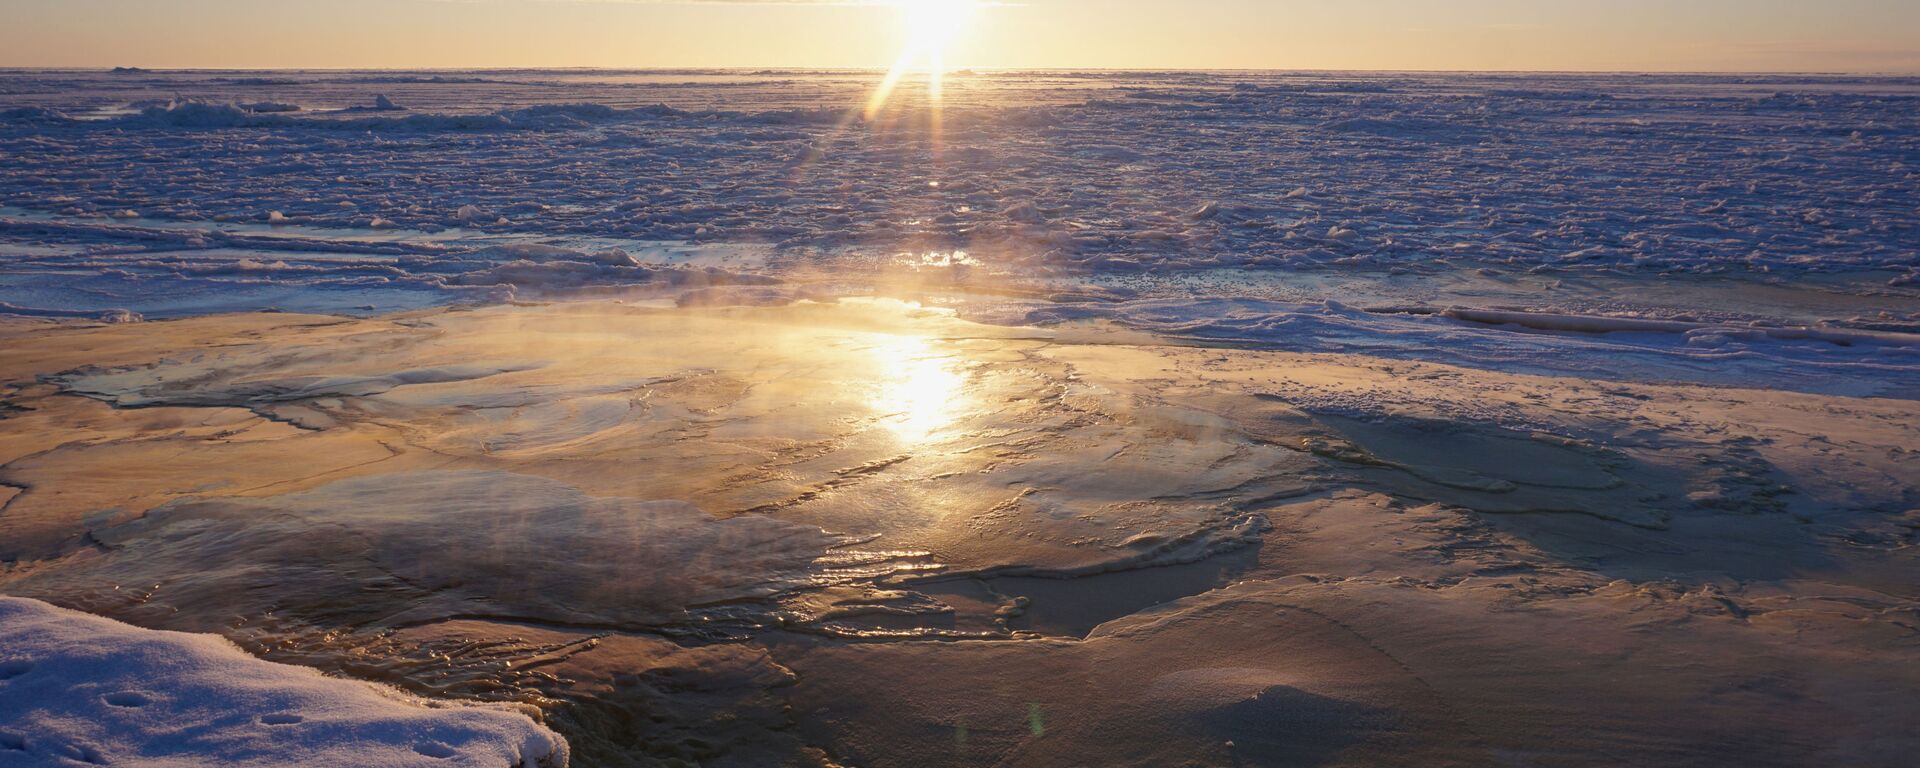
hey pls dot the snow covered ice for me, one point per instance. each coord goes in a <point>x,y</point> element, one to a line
<point>1791,199</point>
<point>1050,172</point>
<point>81,690</point>
<point>1126,418</point>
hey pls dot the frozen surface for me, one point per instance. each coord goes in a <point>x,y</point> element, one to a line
<point>1845,361</point>
<point>1055,170</point>
<point>1127,419</point>
<point>493,543</point>
<point>867,532</point>
<point>81,690</point>
<point>1224,206</point>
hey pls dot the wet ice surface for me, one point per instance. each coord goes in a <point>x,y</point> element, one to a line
<point>1147,419</point>
<point>868,532</point>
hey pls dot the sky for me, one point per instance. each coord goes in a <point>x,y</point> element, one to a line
<point>1640,35</point>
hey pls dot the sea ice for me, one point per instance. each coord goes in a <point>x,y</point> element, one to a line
<point>1127,418</point>
<point>77,689</point>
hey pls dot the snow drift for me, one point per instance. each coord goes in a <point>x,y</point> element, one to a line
<point>80,689</point>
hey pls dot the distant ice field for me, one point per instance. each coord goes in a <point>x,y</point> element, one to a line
<point>1221,206</point>
<point>1048,170</point>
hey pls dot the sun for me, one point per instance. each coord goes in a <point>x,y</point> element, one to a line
<point>932,25</point>
<point>928,29</point>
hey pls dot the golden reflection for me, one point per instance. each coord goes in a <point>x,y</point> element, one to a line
<point>921,389</point>
<point>936,260</point>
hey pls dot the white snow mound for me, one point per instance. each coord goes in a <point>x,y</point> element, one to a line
<point>77,689</point>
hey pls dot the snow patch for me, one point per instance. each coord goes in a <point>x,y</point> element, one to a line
<point>80,689</point>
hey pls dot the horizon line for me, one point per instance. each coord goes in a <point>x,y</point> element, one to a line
<point>883,70</point>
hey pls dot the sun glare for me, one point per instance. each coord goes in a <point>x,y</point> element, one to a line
<point>919,389</point>
<point>932,25</point>
<point>928,28</point>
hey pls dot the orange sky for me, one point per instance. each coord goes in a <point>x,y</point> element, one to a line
<point>1744,35</point>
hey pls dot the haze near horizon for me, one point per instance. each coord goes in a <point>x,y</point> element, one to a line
<point>1855,36</point>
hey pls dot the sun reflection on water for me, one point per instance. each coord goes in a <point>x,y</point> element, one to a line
<point>936,260</point>
<point>920,388</point>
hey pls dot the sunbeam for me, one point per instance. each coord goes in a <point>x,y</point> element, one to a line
<point>929,27</point>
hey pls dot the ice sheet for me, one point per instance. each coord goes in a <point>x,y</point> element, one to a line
<point>1140,418</point>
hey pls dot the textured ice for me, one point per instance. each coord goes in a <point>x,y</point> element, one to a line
<point>1661,173</point>
<point>899,538</point>
<point>840,415</point>
<point>445,544</point>
<point>160,195</point>
<point>1836,360</point>
<point>1119,418</point>
<point>77,689</point>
